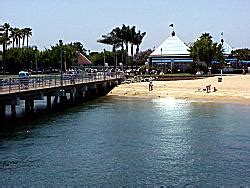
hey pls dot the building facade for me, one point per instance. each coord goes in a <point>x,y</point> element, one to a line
<point>172,55</point>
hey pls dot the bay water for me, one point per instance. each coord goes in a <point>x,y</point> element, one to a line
<point>116,142</point>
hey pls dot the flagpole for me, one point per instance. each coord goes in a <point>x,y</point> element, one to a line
<point>173,33</point>
<point>222,40</point>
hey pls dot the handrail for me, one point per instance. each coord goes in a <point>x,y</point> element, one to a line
<point>16,84</point>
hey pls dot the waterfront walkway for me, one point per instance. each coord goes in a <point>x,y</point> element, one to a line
<point>15,84</point>
<point>61,88</point>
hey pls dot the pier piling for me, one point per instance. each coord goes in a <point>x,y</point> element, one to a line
<point>13,110</point>
<point>48,102</point>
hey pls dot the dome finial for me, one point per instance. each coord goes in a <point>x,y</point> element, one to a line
<point>173,34</point>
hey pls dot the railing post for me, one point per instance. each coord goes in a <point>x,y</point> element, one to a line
<point>9,85</point>
<point>49,81</point>
<point>42,81</point>
<point>36,80</point>
<point>19,85</point>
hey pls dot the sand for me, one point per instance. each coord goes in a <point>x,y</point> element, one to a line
<point>232,89</point>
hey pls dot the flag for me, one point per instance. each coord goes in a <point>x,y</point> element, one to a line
<point>171,25</point>
<point>82,60</point>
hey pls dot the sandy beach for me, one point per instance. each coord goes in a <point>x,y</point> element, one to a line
<point>233,89</point>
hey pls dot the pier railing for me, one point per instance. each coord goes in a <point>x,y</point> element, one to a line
<point>17,84</point>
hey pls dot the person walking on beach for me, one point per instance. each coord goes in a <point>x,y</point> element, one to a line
<point>150,86</point>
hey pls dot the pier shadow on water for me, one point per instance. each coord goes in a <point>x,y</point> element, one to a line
<point>10,125</point>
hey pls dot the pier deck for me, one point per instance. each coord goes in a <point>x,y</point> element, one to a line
<point>56,87</point>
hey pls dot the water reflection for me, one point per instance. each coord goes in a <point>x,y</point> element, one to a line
<point>130,142</point>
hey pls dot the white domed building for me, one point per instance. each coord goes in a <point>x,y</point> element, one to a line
<point>172,54</point>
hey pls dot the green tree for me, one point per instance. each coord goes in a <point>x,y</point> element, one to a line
<point>141,57</point>
<point>20,59</point>
<point>132,37</point>
<point>27,32</point>
<point>125,35</point>
<point>138,40</point>
<point>19,37</point>
<point>241,54</point>
<point>204,51</point>
<point>120,37</point>
<point>78,46</point>
<point>5,41</point>
<point>111,39</point>
<point>13,32</point>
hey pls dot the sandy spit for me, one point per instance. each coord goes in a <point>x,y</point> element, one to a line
<point>232,89</point>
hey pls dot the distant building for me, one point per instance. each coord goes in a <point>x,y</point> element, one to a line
<point>82,60</point>
<point>172,54</point>
<point>226,49</point>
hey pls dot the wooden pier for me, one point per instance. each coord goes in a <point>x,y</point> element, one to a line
<point>57,90</point>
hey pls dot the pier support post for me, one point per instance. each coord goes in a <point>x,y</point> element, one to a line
<point>13,110</point>
<point>63,99</point>
<point>27,105</point>
<point>2,110</point>
<point>71,97</point>
<point>48,102</point>
<point>79,95</point>
<point>55,100</point>
<point>32,105</point>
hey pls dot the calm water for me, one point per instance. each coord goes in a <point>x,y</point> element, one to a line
<point>130,142</point>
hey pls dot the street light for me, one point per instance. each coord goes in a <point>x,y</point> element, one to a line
<point>35,48</point>
<point>115,65</point>
<point>104,62</point>
<point>161,61</point>
<point>60,44</point>
<point>65,63</point>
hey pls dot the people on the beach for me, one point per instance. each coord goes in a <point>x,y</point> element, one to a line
<point>208,88</point>
<point>150,86</point>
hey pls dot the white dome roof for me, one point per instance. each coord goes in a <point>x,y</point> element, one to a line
<point>226,48</point>
<point>171,46</point>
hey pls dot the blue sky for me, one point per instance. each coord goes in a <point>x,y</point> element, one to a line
<point>87,20</point>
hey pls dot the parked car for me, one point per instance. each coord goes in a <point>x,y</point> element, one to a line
<point>24,79</point>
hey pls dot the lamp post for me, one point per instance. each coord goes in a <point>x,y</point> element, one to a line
<point>60,44</point>
<point>161,61</point>
<point>65,63</point>
<point>35,48</point>
<point>77,53</point>
<point>104,61</point>
<point>115,65</point>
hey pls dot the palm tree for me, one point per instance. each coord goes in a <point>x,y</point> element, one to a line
<point>5,41</point>
<point>132,36</point>
<point>19,37</point>
<point>125,33</point>
<point>23,35</point>
<point>13,35</point>
<point>6,28</point>
<point>111,39</point>
<point>119,37</point>
<point>106,39</point>
<point>206,36</point>
<point>27,33</point>
<point>138,40</point>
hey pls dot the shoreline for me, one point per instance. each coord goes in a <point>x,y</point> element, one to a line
<point>232,89</point>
